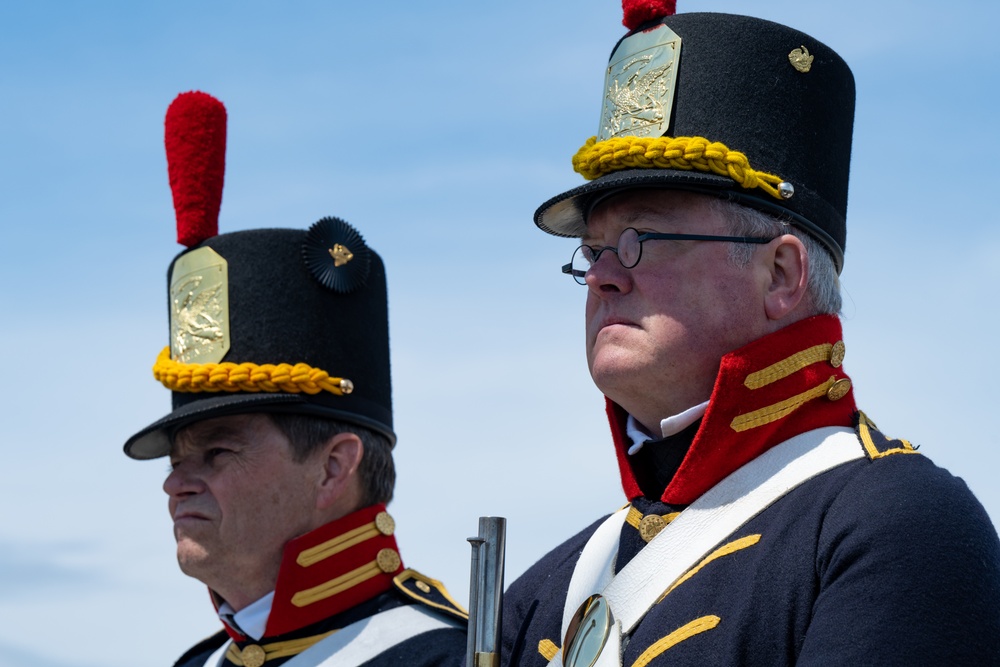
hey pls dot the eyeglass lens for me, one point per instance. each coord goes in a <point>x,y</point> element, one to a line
<point>628,251</point>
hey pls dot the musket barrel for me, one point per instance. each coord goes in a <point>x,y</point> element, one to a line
<point>486,592</point>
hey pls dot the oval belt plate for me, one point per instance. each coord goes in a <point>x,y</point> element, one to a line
<point>587,633</point>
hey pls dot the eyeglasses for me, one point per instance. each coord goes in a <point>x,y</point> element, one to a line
<point>629,249</point>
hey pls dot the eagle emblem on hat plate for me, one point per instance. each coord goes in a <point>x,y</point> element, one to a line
<point>639,85</point>
<point>199,307</point>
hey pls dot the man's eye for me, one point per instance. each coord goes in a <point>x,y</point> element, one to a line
<point>214,452</point>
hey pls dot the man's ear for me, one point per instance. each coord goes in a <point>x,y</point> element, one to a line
<point>787,264</point>
<point>339,484</point>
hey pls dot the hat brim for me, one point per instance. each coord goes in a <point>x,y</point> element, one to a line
<point>154,441</point>
<point>566,214</point>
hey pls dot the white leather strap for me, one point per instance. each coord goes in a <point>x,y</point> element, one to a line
<point>720,512</point>
<point>596,566</point>
<point>714,516</point>
<point>363,640</point>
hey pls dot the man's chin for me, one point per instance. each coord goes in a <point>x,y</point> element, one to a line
<point>611,366</point>
<point>192,558</point>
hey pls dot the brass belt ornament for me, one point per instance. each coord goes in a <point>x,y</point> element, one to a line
<point>587,633</point>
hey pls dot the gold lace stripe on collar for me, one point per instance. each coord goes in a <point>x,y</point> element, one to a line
<point>597,158</point>
<point>786,367</point>
<point>338,544</point>
<point>230,377</point>
<point>780,409</point>
<point>386,562</point>
<point>274,650</point>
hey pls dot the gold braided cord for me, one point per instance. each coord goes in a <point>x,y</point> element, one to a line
<point>597,158</point>
<point>227,376</point>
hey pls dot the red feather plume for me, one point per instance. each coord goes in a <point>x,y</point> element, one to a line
<point>195,138</point>
<point>638,12</point>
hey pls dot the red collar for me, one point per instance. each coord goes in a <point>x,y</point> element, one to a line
<point>333,568</point>
<point>774,388</point>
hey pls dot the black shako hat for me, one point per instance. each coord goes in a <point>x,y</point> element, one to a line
<point>725,105</point>
<point>270,320</point>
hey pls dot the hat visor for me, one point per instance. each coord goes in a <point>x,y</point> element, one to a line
<point>154,441</point>
<point>566,214</point>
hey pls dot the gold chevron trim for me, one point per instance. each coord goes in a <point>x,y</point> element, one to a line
<point>864,429</point>
<point>686,631</point>
<point>724,550</point>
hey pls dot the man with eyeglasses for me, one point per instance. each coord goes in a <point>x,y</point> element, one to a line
<point>769,522</point>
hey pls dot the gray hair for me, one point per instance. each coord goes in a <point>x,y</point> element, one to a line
<point>306,434</point>
<point>824,283</point>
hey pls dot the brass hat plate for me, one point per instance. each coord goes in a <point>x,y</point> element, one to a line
<point>587,633</point>
<point>639,85</point>
<point>199,307</point>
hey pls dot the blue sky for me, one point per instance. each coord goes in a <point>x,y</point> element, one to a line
<point>435,128</point>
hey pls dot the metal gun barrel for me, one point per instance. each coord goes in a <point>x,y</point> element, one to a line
<point>486,592</point>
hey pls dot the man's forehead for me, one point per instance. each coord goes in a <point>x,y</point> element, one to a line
<point>230,427</point>
<point>633,208</point>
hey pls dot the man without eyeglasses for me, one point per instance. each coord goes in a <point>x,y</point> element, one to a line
<point>280,440</point>
<point>769,521</point>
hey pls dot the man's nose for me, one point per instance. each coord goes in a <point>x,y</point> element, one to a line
<point>182,480</point>
<point>607,274</point>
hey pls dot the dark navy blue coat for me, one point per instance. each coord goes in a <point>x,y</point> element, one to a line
<point>881,561</point>
<point>443,647</point>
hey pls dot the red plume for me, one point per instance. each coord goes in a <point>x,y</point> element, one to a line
<point>638,12</point>
<point>195,138</point>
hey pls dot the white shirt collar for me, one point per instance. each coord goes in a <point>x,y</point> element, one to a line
<point>250,621</point>
<point>668,427</point>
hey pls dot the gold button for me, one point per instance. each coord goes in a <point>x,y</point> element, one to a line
<point>253,656</point>
<point>837,354</point>
<point>650,526</point>
<point>423,587</point>
<point>388,560</point>
<point>384,523</point>
<point>838,389</point>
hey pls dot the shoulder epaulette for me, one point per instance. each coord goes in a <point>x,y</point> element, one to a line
<point>877,444</point>
<point>430,592</point>
<point>202,649</point>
